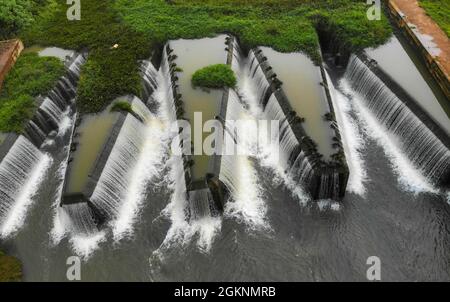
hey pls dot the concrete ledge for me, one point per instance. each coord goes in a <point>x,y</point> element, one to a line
<point>305,142</point>
<point>434,67</point>
<point>405,98</point>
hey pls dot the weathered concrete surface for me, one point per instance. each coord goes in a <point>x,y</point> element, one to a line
<point>9,52</point>
<point>423,33</point>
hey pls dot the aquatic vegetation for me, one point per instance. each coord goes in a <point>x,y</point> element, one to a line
<point>139,26</point>
<point>214,76</point>
<point>122,106</point>
<point>31,76</point>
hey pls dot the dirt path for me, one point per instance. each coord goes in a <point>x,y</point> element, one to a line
<point>431,35</point>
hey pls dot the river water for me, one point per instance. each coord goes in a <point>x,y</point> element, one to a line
<point>390,211</point>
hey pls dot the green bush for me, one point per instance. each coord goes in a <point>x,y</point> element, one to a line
<point>214,76</point>
<point>16,15</point>
<point>122,106</point>
<point>31,76</point>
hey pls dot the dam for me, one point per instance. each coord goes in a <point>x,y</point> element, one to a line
<point>190,56</point>
<point>104,151</point>
<point>404,103</point>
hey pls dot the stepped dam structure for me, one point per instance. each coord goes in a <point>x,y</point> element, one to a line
<point>288,88</point>
<point>402,102</point>
<point>21,159</point>
<point>295,92</point>
<point>205,192</point>
<point>51,107</point>
<point>104,149</point>
<point>210,179</point>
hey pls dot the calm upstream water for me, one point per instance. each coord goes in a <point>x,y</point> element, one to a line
<point>390,211</point>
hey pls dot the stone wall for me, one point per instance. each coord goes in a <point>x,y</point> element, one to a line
<point>9,52</point>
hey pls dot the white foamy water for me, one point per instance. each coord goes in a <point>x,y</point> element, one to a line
<point>328,204</point>
<point>267,154</point>
<point>16,217</point>
<point>353,142</point>
<point>66,122</point>
<point>148,166</point>
<point>84,246</point>
<point>246,204</point>
<point>409,177</point>
<point>59,220</point>
<point>182,231</point>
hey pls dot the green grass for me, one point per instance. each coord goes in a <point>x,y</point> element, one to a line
<point>214,76</point>
<point>140,26</point>
<point>31,76</point>
<point>10,269</point>
<point>109,72</point>
<point>16,15</point>
<point>439,10</point>
<point>286,25</point>
<point>122,106</point>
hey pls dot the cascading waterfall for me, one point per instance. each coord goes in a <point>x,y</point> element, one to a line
<point>237,172</point>
<point>49,114</point>
<point>352,139</point>
<point>115,178</point>
<point>419,143</point>
<point>20,173</point>
<point>253,88</point>
<point>150,79</point>
<point>289,145</point>
<point>80,218</point>
<point>257,75</point>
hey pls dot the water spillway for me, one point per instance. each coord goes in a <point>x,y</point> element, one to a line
<point>20,165</point>
<point>398,60</point>
<point>302,84</point>
<point>104,151</point>
<point>315,158</point>
<point>419,135</point>
<point>51,107</point>
<point>198,106</point>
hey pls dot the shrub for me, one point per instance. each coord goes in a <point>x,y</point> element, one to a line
<point>214,76</point>
<point>31,76</point>
<point>122,106</point>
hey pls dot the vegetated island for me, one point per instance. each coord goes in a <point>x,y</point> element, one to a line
<point>214,77</point>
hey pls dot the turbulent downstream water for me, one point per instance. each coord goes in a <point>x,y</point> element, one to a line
<point>269,232</point>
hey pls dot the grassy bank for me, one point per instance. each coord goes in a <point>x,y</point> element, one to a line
<point>31,76</point>
<point>439,10</point>
<point>137,26</point>
<point>10,268</point>
<point>286,25</point>
<point>15,15</point>
<point>109,72</point>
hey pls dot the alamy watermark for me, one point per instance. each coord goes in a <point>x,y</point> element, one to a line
<point>73,272</point>
<point>74,10</point>
<point>224,137</point>
<point>374,10</point>
<point>374,271</point>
